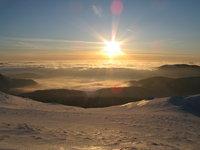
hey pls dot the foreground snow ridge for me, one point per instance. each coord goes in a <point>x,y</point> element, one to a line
<point>161,123</point>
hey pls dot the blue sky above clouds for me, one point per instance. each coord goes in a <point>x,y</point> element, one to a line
<point>150,26</point>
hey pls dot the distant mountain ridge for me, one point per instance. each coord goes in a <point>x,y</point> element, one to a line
<point>179,66</point>
<point>7,83</point>
<point>144,89</point>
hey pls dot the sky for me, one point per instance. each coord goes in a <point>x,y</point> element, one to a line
<point>50,27</point>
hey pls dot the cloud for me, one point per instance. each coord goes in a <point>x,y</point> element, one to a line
<point>51,40</point>
<point>97,10</point>
<point>26,45</point>
<point>45,44</point>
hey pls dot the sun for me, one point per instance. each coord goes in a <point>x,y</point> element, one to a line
<point>112,48</point>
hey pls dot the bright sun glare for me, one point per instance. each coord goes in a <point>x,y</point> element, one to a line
<point>112,49</point>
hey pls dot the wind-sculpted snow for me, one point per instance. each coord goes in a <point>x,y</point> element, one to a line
<point>144,125</point>
<point>190,104</point>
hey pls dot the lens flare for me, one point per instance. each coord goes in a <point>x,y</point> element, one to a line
<point>116,7</point>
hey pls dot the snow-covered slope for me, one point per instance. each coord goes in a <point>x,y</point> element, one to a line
<point>156,124</point>
<point>10,101</point>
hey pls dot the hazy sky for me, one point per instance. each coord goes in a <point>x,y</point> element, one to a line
<point>147,26</point>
